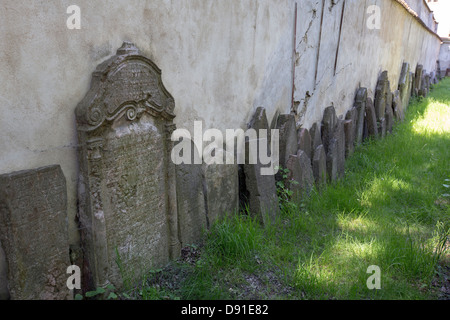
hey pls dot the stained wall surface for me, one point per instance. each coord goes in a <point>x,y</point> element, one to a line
<point>220,60</point>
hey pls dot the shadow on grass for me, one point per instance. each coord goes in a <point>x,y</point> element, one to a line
<point>384,211</point>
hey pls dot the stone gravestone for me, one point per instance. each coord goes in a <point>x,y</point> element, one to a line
<point>371,119</point>
<point>192,214</point>
<point>349,137</point>
<point>332,160</point>
<point>329,122</point>
<point>304,141</point>
<point>333,139</point>
<point>127,185</point>
<point>380,95</point>
<point>339,134</point>
<point>360,106</point>
<point>33,234</point>
<point>261,193</point>
<point>222,190</point>
<point>316,137</point>
<point>389,114</point>
<point>319,165</point>
<point>380,102</point>
<point>397,107</point>
<point>404,84</point>
<point>412,84</point>
<point>350,126</point>
<point>300,170</point>
<point>418,79</point>
<point>288,137</point>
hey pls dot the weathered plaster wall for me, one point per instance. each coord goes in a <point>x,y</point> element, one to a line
<point>363,53</point>
<point>220,60</point>
<point>444,56</point>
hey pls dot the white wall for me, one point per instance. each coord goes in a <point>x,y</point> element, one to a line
<point>363,53</point>
<point>444,56</point>
<point>220,59</point>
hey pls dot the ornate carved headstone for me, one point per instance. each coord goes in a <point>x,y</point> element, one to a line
<point>33,234</point>
<point>127,186</point>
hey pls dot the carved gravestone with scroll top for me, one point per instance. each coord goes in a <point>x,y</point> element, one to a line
<point>127,190</point>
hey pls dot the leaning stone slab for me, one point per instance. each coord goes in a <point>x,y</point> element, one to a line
<point>418,78</point>
<point>329,122</point>
<point>316,137</point>
<point>332,160</point>
<point>319,165</point>
<point>192,212</point>
<point>382,127</point>
<point>404,84</point>
<point>259,121</point>
<point>428,82</point>
<point>397,107</point>
<point>349,130</point>
<point>360,106</point>
<point>288,143</point>
<point>380,95</point>
<point>33,234</point>
<point>339,134</point>
<point>127,184</point>
<point>304,141</point>
<point>413,84</point>
<point>371,119</point>
<point>300,170</point>
<point>222,190</point>
<point>389,114</point>
<point>261,191</point>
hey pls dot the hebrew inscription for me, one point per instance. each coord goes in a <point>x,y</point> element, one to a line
<point>127,190</point>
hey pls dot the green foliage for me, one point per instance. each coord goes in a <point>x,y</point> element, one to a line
<point>107,293</point>
<point>284,191</point>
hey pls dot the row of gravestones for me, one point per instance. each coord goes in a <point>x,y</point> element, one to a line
<point>317,156</point>
<point>136,209</point>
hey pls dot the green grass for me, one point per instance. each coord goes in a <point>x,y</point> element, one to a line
<point>390,210</point>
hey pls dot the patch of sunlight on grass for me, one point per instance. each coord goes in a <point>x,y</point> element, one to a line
<point>381,189</point>
<point>435,120</point>
<point>353,222</point>
<point>349,248</point>
<point>312,275</point>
